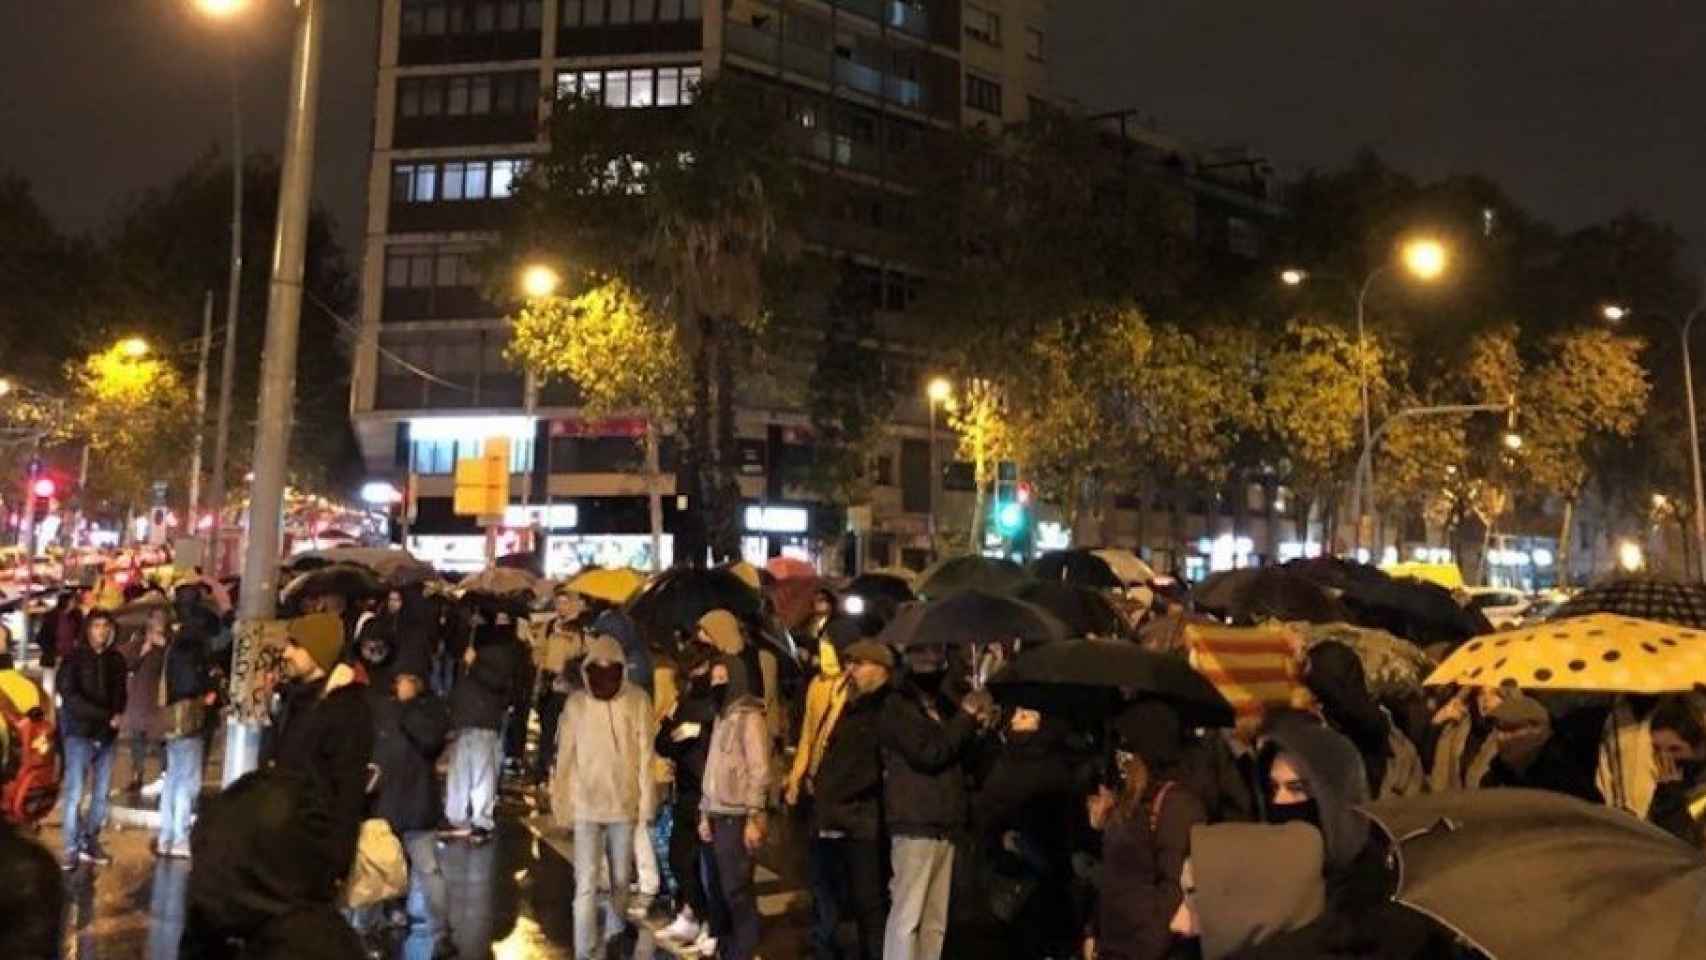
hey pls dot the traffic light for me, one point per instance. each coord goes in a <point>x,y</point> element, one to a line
<point>44,488</point>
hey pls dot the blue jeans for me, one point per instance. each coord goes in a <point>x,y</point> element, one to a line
<point>473,780</point>
<point>592,842</point>
<point>82,754</point>
<point>183,785</point>
<point>429,899</point>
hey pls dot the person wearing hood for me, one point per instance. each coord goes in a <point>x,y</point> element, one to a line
<point>410,726</point>
<point>325,730</point>
<point>1233,910</point>
<point>1147,828</point>
<point>684,739</point>
<point>732,817</point>
<point>722,630</point>
<point>478,705</point>
<point>376,651</point>
<point>1334,674</point>
<point>92,692</point>
<point>925,739</point>
<point>603,786</point>
<point>639,671</point>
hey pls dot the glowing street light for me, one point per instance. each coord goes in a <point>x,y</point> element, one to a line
<point>1513,441</point>
<point>939,390</point>
<point>1614,312</point>
<point>539,281</point>
<point>5,386</point>
<point>1425,259</point>
<point>1293,277</point>
<point>221,8</point>
<point>1630,556</point>
<point>133,347</point>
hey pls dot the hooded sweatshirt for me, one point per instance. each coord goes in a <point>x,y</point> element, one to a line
<point>1337,680</point>
<point>825,696</point>
<point>737,768</point>
<point>604,750</point>
<point>1240,905</point>
<point>635,653</point>
<point>1333,769</point>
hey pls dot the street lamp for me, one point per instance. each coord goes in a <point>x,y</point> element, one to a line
<point>1364,466</point>
<point>5,386</point>
<point>135,348</point>
<point>1426,259</point>
<point>221,8</point>
<point>1513,442</point>
<point>1293,278</point>
<point>539,281</point>
<point>938,391</point>
<point>1614,312</point>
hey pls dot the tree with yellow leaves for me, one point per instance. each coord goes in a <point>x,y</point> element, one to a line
<point>137,417</point>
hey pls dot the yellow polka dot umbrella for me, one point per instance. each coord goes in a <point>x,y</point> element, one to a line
<point>1600,652</point>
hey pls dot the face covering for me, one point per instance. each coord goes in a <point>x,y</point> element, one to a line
<point>930,682</point>
<point>719,695</point>
<point>604,680</point>
<point>828,663</point>
<point>1308,811</point>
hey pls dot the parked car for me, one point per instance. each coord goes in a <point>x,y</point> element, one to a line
<point>1503,607</point>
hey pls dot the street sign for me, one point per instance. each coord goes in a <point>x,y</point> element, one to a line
<point>482,483</point>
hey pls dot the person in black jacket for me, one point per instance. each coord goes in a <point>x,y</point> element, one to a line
<point>188,681</point>
<point>325,733</point>
<point>924,740</point>
<point>478,704</point>
<point>684,739</point>
<point>92,681</point>
<point>410,726</point>
<point>847,793</point>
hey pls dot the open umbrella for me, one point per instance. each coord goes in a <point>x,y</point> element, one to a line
<point>1395,667</point>
<point>345,579</point>
<point>1255,594</point>
<point>1096,675</point>
<point>969,573</point>
<point>752,576</point>
<point>1128,566</point>
<point>1085,612</point>
<point>791,598</point>
<point>1598,653</point>
<point>876,594</point>
<point>502,581</point>
<point>671,605</point>
<point>1421,612</point>
<point>397,568</point>
<point>134,614</point>
<point>790,568</point>
<point>1647,598</point>
<point>617,585</point>
<point>1530,873</point>
<point>970,617</point>
<point>1081,568</point>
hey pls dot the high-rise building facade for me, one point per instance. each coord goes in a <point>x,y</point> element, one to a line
<point>463,94</point>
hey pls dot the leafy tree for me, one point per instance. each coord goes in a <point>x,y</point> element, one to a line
<point>977,412</point>
<point>136,414</point>
<point>609,343</point>
<point>851,398</point>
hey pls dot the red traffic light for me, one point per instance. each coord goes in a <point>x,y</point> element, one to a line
<point>43,487</point>
<point>1023,493</point>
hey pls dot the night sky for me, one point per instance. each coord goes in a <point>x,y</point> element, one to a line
<point>1581,108</point>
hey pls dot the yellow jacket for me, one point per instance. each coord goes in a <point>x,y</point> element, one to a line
<point>825,696</point>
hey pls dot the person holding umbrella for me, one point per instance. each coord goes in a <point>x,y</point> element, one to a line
<point>732,816</point>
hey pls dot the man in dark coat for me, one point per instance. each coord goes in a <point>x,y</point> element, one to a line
<point>410,728</point>
<point>326,733</point>
<point>684,739</point>
<point>92,681</point>
<point>847,792</point>
<point>925,739</point>
<point>478,705</point>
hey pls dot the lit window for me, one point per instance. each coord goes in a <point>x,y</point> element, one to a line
<point>474,187</point>
<point>981,24</point>
<point>402,182</point>
<point>669,86</point>
<point>640,88</point>
<point>616,88</point>
<point>503,178</point>
<point>689,83</point>
<point>454,174</point>
<point>592,85</point>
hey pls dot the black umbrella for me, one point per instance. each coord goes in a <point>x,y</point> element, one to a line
<point>880,595</point>
<point>1420,612</point>
<point>969,573</point>
<point>1096,676</point>
<point>1255,594</point>
<point>345,579</point>
<point>972,617</point>
<point>1645,598</point>
<point>1085,612</point>
<point>1081,568</point>
<point>525,560</point>
<point>670,606</point>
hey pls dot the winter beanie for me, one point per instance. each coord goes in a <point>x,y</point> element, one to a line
<point>724,631</point>
<point>322,635</point>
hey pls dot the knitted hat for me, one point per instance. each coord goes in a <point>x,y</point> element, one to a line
<point>724,631</point>
<point>321,634</point>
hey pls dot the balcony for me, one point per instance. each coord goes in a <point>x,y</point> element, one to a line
<point>859,77</point>
<point>908,18</point>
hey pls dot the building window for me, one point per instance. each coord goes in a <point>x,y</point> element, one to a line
<point>1034,43</point>
<point>636,87</point>
<point>433,457</point>
<point>982,94</point>
<point>430,181</point>
<point>439,17</point>
<point>507,94</point>
<point>981,24</point>
<point>621,12</point>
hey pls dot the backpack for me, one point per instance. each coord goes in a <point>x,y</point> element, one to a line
<point>30,768</point>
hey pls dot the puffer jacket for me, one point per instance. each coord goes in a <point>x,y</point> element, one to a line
<point>604,752</point>
<point>737,769</point>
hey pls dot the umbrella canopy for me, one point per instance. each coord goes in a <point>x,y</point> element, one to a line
<point>1598,653</point>
<point>879,594</point>
<point>1423,613</point>
<point>134,614</point>
<point>1095,674</point>
<point>346,579</point>
<point>501,581</point>
<point>791,598</point>
<point>1128,566</point>
<point>1255,594</point>
<point>1395,667</point>
<point>525,561</point>
<point>969,573</point>
<point>616,586</point>
<point>790,568</point>
<point>397,568</point>
<point>1085,612</point>
<point>1667,601</point>
<point>1528,873</point>
<point>972,616</point>
<point>907,577</point>
<point>1081,568</point>
<point>673,602</point>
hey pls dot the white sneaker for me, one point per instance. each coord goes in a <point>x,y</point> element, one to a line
<point>706,945</point>
<point>684,929</point>
<point>153,789</point>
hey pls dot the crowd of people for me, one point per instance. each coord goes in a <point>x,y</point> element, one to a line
<point>933,821</point>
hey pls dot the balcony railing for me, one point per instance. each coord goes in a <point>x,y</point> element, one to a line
<point>821,65</point>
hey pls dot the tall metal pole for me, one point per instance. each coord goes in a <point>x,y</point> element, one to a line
<point>200,412</point>
<point>1365,463</point>
<point>935,478</point>
<point>228,353</point>
<point>1694,443</point>
<point>654,499</point>
<point>278,370</point>
<point>1362,392</point>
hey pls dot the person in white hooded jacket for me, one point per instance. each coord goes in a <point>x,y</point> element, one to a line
<point>603,786</point>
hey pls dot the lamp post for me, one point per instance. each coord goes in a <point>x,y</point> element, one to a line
<point>1424,259</point>
<point>1616,313</point>
<point>1512,441</point>
<point>938,392</point>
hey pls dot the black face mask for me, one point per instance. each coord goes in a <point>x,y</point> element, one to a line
<point>604,680</point>
<point>719,695</point>
<point>1308,811</point>
<point>1690,770</point>
<point>930,681</point>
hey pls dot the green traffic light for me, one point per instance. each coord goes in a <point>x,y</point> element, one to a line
<point>1010,518</point>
